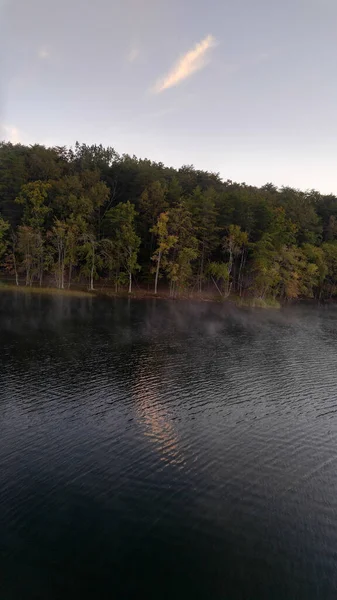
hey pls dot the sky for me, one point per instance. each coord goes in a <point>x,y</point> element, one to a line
<point>240,87</point>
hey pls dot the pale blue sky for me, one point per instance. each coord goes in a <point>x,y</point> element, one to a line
<point>256,100</point>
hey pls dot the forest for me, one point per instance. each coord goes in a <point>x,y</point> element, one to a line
<point>89,216</point>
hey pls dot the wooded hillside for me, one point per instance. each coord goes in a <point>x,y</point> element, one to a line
<point>88,213</point>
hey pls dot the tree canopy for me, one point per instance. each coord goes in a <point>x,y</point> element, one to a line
<point>90,214</point>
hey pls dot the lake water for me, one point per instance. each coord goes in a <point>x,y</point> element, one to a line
<point>166,450</point>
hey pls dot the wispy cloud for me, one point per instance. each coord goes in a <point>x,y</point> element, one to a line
<point>194,60</point>
<point>10,133</point>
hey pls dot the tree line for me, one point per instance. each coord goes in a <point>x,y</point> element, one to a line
<point>89,214</point>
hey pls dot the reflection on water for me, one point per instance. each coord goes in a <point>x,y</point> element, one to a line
<point>152,415</point>
<point>166,450</point>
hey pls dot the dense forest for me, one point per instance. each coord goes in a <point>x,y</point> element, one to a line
<point>89,215</point>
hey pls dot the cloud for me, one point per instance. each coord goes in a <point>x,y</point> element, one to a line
<point>194,60</point>
<point>11,134</point>
<point>43,54</point>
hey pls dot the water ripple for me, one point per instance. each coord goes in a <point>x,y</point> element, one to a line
<point>199,443</point>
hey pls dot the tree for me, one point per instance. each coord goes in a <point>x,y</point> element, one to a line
<point>33,198</point>
<point>90,212</point>
<point>220,276</point>
<point>265,267</point>
<point>13,175</point>
<point>330,258</point>
<point>317,269</point>
<point>165,243</point>
<point>10,263</point>
<point>75,229</point>
<point>120,222</point>
<point>91,259</point>
<point>4,227</point>
<point>58,237</point>
<point>29,247</point>
<point>151,204</point>
<point>94,157</point>
<point>185,250</point>
<point>204,215</point>
<point>300,208</point>
<point>112,261</point>
<point>235,243</point>
<point>292,271</point>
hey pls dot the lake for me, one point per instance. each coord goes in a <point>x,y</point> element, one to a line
<point>153,449</point>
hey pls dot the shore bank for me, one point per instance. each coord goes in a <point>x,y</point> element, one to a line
<point>143,294</point>
<point>23,289</point>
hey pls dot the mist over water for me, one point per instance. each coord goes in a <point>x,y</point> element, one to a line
<point>166,450</point>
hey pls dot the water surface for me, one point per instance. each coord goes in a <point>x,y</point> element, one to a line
<point>166,450</point>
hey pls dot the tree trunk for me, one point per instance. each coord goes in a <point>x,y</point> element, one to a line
<point>40,259</point>
<point>157,273</point>
<point>130,282</point>
<point>15,270</point>
<point>201,266</point>
<point>58,279</point>
<point>92,270</point>
<point>234,281</point>
<point>69,275</point>
<point>62,270</point>
<point>229,289</point>
<point>40,270</point>
<point>230,267</point>
<point>217,287</point>
<point>242,263</point>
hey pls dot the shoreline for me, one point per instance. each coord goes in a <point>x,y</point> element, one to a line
<point>44,290</point>
<point>141,294</point>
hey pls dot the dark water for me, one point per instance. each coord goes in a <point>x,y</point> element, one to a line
<point>166,451</point>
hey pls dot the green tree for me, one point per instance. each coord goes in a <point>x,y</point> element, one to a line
<point>11,262</point>
<point>31,251</point>
<point>184,252</point>
<point>330,258</point>
<point>112,261</point>
<point>165,243</point>
<point>13,175</point>
<point>33,197</point>
<point>202,206</point>
<point>317,269</point>
<point>91,259</point>
<point>89,211</point>
<point>59,238</point>
<point>265,267</point>
<point>4,228</point>
<point>220,276</point>
<point>235,244</point>
<point>120,222</point>
<point>300,208</point>
<point>152,203</point>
